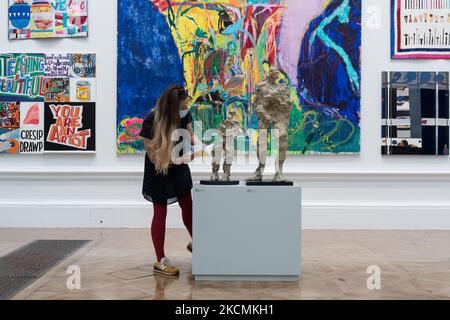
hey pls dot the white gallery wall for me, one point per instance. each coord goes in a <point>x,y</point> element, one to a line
<point>345,192</point>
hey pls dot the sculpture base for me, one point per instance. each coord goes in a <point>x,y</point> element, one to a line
<point>219,183</point>
<point>268,183</point>
<point>277,211</point>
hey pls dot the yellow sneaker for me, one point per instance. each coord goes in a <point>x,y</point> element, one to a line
<point>165,267</point>
<point>189,247</point>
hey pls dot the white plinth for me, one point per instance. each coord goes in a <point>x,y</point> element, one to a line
<point>247,233</point>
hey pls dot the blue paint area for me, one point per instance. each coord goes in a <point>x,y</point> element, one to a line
<point>417,78</point>
<point>19,15</point>
<point>148,59</point>
<point>329,75</point>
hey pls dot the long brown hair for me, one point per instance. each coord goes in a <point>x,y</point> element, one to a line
<point>167,119</point>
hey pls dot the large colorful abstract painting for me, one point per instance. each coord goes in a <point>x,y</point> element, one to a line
<point>47,103</point>
<point>420,29</point>
<point>415,113</point>
<point>31,19</point>
<point>222,49</point>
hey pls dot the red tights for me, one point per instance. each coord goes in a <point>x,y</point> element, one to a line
<point>159,222</point>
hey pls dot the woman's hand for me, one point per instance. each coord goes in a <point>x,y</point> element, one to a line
<point>188,158</point>
<point>185,159</point>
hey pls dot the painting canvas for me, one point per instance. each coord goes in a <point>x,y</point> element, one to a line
<point>69,127</point>
<point>47,103</point>
<point>57,89</point>
<point>82,65</point>
<point>22,77</point>
<point>222,49</point>
<point>57,65</point>
<point>9,116</point>
<point>9,127</point>
<point>420,29</point>
<point>31,127</point>
<point>415,113</point>
<point>34,19</point>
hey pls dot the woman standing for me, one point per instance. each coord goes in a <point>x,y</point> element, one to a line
<point>167,179</point>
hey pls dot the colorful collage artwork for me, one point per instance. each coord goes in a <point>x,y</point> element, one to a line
<point>47,103</point>
<point>222,49</point>
<point>420,29</point>
<point>29,19</point>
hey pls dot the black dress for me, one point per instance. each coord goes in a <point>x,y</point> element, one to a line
<point>159,188</point>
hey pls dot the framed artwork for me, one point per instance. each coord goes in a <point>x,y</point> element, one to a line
<point>69,127</point>
<point>32,127</point>
<point>220,50</point>
<point>420,29</point>
<point>34,19</point>
<point>9,127</point>
<point>415,113</point>
<point>47,103</point>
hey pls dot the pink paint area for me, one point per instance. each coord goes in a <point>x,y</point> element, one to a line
<point>421,56</point>
<point>33,116</point>
<point>132,128</point>
<point>134,125</point>
<point>296,18</point>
